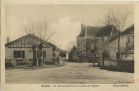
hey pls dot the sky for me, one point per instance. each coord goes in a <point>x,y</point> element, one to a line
<point>63,21</point>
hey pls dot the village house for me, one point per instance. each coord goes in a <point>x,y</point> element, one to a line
<point>126,49</point>
<point>101,42</point>
<point>86,42</point>
<point>107,47</point>
<point>21,50</point>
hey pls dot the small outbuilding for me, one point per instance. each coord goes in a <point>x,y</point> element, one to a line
<point>25,50</point>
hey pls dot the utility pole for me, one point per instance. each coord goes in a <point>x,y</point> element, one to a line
<point>119,57</point>
<point>85,42</point>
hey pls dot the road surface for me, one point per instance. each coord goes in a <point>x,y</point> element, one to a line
<point>71,73</point>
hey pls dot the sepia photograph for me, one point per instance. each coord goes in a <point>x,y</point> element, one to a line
<point>69,44</point>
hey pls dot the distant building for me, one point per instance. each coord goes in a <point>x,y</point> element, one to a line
<point>73,55</point>
<point>86,41</point>
<point>20,51</point>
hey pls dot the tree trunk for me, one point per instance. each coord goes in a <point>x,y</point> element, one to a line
<point>34,56</point>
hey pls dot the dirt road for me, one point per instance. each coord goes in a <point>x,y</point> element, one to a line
<point>71,73</point>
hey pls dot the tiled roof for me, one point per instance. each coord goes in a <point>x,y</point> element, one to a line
<point>106,31</point>
<point>129,30</point>
<point>90,30</point>
<point>29,41</point>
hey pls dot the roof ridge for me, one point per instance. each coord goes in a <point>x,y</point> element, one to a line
<point>27,35</point>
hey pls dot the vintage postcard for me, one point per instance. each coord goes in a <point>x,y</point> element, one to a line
<point>67,45</point>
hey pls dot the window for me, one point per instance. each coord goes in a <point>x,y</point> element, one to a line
<point>19,54</point>
<point>130,42</point>
<point>62,54</point>
<point>95,55</point>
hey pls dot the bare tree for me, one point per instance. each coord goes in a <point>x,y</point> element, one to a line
<point>71,45</point>
<point>119,21</point>
<point>41,31</point>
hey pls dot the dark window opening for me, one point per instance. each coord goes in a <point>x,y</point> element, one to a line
<point>19,54</point>
<point>63,54</point>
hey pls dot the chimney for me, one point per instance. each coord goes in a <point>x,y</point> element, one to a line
<point>82,27</point>
<point>112,31</point>
<point>8,39</point>
<point>33,34</point>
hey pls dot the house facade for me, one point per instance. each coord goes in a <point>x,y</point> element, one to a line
<point>126,42</point>
<point>126,49</point>
<point>106,46</point>
<point>21,51</point>
<point>86,41</point>
<point>102,41</point>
